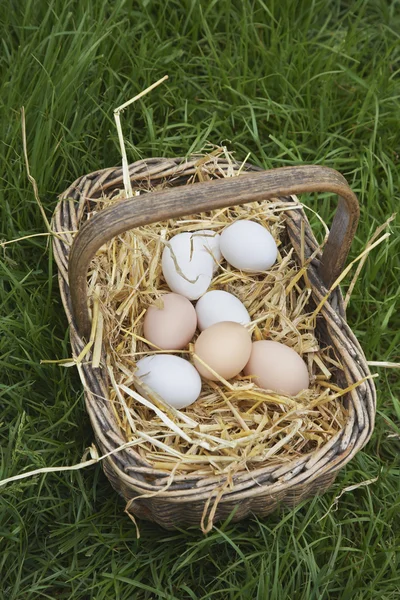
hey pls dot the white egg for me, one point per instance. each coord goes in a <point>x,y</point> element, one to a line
<point>217,306</point>
<point>171,377</point>
<point>248,246</point>
<point>208,240</point>
<point>191,272</point>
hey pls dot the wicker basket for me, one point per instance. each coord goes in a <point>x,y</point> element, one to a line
<point>192,500</point>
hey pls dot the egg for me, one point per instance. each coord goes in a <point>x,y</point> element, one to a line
<point>217,306</point>
<point>225,347</point>
<point>277,367</point>
<point>187,269</point>
<point>171,377</point>
<point>248,246</point>
<point>208,241</point>
<point>170,324</point>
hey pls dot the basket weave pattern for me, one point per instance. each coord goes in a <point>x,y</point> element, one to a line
<point>193,500</point>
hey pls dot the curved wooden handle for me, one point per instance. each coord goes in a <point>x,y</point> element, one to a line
<point>201,197</point>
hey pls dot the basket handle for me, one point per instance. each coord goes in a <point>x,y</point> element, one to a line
<point>201,197</point>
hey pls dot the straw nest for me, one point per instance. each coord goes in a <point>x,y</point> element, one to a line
<point>233,425</point>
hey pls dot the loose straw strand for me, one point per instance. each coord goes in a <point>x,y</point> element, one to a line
<point>117,112</point>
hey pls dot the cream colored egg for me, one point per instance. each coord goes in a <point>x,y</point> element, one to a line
<point>170,323</point>
<point>277,367</point>
<point>225,347</point>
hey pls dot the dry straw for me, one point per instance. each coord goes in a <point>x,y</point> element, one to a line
<point>234,425</point>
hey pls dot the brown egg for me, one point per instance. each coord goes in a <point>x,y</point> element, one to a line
<point>225,347</point>
<point>277,367</point>
<point>172,326</point>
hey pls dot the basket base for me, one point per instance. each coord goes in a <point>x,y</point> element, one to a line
<point>181,515</point>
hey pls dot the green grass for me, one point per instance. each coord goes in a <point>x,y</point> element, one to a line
<point>291,81</point>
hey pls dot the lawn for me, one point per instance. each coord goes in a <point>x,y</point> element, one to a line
<point>289,81</point>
